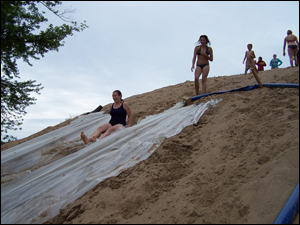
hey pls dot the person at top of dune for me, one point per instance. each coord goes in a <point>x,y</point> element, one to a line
<point>250,56</point>
<point>293,46</point>
<point>274,62</point>
<point>204,54</point>
<point>119,110</point>
<point>260,64</point>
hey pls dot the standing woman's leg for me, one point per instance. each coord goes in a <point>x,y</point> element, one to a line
<point>198,72</point>
<point>291,55</point>
<point>204,78</point>
<point>295,56</point>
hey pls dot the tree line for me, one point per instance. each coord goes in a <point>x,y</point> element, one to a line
<point>22,38</point>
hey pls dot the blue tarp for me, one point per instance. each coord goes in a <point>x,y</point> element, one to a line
<point>248,88</point>
<point>290,209</point>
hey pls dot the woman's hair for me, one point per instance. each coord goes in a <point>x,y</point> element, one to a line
<point>207,41</point>
<point>119,93</point>
<point>289,32</point>
<point>259,57</point>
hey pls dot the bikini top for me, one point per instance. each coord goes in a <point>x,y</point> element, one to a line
<point>199,51</point>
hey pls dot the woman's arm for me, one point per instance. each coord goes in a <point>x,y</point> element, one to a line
<point>254,56</point>
<point>284,44</point>
<point>194,59</point>
<point>211,57</point>
<point>297,41</point>
<point>245,57</point>
<point>129,114</point>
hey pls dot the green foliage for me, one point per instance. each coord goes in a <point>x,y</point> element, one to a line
<point>21,38</point>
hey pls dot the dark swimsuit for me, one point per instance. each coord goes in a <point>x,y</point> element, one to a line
<point>199,53</point>
<point>118,116</point>
<point>202,65</point>
<point>292,46</point>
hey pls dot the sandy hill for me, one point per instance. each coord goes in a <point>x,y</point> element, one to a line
<point>238,164</point>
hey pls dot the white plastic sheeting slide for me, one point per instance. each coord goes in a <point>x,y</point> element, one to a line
<point>37,196</point>
<point>22,157</point>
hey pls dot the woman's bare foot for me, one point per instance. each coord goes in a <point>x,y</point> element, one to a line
<point>93,139</point>
<point>84,138</point>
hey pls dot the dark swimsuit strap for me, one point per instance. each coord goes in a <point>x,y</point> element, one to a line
<point>199,50</point>
<point>116,108</point>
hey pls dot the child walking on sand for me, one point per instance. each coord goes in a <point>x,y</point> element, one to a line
<point>250,56</point>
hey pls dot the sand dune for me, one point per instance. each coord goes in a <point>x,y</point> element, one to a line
<point>238,164</point>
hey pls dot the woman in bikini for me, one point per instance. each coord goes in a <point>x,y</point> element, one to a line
<point>203,54</point>
<point>293,46</point>
<point>119,111</point>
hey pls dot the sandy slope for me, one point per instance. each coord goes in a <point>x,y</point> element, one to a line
<point>239,164</point>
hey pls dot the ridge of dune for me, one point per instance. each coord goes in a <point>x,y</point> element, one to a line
<point>238,164</point>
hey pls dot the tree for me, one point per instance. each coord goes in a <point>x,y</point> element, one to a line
<point>21,38</point>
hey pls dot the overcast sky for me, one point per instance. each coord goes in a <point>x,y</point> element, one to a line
<point>138,47</point>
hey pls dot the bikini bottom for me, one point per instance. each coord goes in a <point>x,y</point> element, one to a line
<point>293,46</point>
<point>202,65</point>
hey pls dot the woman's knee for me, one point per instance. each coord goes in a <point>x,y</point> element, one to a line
<point>204,76</point>
<point>198,72</point>
<point>197,76</point>
<point>290,52</point>
<point>104,127</point>
<point>295,53</point>
<point>109,130</point>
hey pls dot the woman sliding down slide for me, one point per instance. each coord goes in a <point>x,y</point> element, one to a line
<point>119,111</point>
